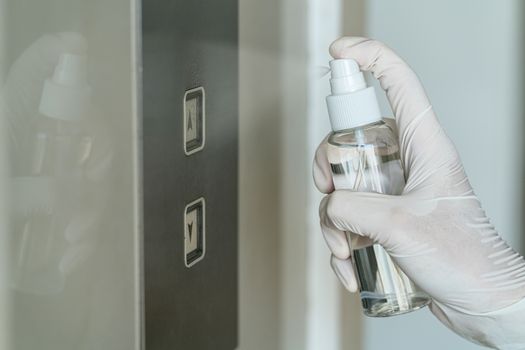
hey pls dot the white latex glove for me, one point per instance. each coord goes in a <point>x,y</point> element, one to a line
<point>436,231</point>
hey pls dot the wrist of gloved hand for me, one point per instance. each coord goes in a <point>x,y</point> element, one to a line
<point>501,329</point>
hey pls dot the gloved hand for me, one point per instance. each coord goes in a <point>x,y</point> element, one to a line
<point>436,231</point>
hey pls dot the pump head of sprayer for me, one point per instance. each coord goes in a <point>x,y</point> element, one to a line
<point>346,76</point>
<point>352,103</point>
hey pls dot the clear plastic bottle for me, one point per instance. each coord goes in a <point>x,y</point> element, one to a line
<point>364,156</point>
<point>48,184</point>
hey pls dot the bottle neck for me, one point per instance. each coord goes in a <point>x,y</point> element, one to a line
<point>379,122</point>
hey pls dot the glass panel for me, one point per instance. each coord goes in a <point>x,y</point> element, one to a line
<point>69,241</point>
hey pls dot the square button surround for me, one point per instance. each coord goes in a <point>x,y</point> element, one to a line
<point>194,232</point>
<point>194,117</point>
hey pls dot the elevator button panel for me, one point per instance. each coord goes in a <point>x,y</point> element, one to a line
<point>194,232</point>
<point>194,120</point>
<point>190,157</point>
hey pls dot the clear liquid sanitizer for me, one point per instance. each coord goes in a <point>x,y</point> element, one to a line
<point>364,156</point>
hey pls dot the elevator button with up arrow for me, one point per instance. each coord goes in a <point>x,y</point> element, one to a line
<point>194,120</point>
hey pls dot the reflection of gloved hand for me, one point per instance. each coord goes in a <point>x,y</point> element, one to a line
<point>77,201</point>
<point>436,231</point>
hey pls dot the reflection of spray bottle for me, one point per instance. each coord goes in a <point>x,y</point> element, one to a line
<point>52,177</point>
<point>364,156</point>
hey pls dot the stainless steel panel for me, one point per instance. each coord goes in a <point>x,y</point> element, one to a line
<point>187,44</point>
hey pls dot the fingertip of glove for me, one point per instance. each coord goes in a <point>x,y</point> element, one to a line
<point>336,241</point>
<point>337,47</point>
<point>322,179</point>
<point>321,171</point>
<point>344,271</point>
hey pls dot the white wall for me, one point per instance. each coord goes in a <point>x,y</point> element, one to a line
<point>324,291</point>
<point>259,154</point>
<point>289,297</point>
<point>468,55</point>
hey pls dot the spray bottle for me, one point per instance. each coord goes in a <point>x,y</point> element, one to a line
<point>364,156</point>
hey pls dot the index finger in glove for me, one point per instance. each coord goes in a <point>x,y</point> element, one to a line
<point>321,169</point>
<point>419,130</point>
<point>402,86</point>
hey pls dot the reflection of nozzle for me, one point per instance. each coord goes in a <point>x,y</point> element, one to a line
<point>67,95</point>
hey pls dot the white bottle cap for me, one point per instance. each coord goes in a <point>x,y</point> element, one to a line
<point>351,103</point>
<point>67,95</point>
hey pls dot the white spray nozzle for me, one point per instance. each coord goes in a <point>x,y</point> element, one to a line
<point>351,103</point>
<point>346,76</point>
<point>343,67</point>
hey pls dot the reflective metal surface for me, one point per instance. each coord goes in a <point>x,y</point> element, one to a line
<point>70,268</point>
<point>190,301</point>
